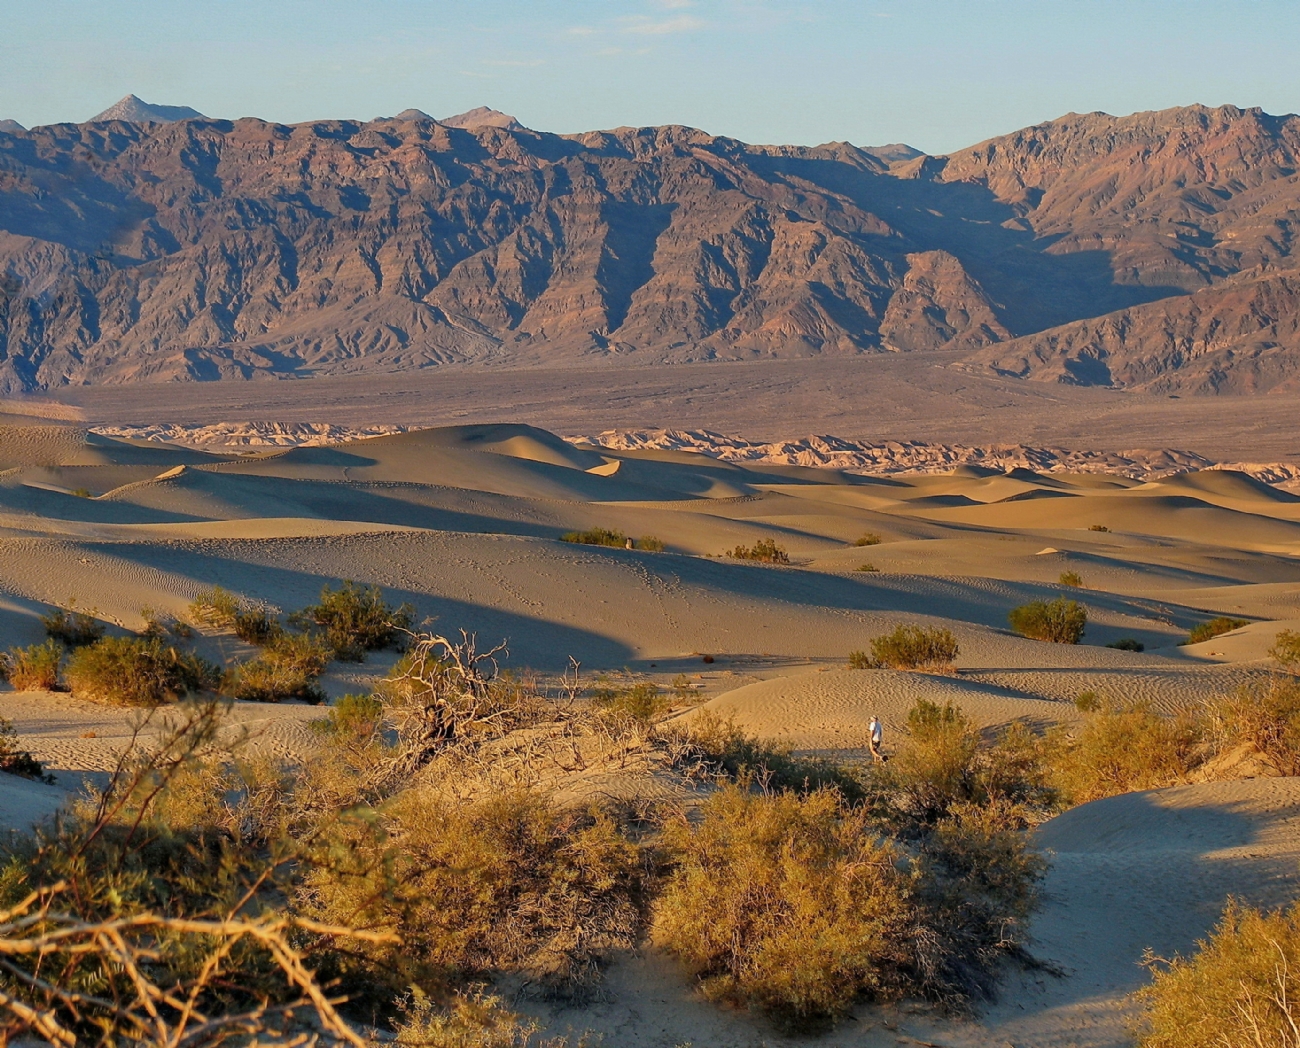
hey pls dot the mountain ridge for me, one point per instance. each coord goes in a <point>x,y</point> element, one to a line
<point>1147,252</point>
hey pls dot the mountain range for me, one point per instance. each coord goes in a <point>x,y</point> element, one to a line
<point>1150,252</point>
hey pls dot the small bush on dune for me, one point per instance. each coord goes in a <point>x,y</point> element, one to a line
<point>1060,621</point>
<point>915,647</point>
<point>866,567</point>
<point>650,544</point>
<point>256,625</point>
<point>1121,750</point>
<point>1268,717</point>
<point>1239,988</point>
<point>353,718</point>
<point>787,903</point>
<point>1098,527</point>
<point>1286,649</point>
<point>870,538</point>
<point>1214,628</point>
<point>34,668</point>
<point>641,702</point>
<point>215,608</point>
<point>764,551</point>
<point>72,628</point>
<point>17,761</point>
<point>1127,644</point>
<point>285,671</point>
<point>1071,578</point>
<point>159,624</point>
<point>134,671</point>
<point>471,1020</point>
<point>596,537</point>
<point>354,619</point>
<point>860,660</point>
<point>1087,702</point>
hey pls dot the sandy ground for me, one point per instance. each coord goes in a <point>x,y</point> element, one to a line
<point>464,523</point>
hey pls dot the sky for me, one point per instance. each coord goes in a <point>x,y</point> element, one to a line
<point>937,74</point>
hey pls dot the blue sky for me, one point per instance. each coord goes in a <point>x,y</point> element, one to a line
<point>939,74</point>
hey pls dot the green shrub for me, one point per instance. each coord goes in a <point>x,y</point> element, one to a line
<point>1098,527</point>
<point>1087,702</point>
<point>1127,644</point>
<point>640,702</point>
<point>1071,578</point>
<point>860,660</point>
<point>471,1020</point>
<point>596,537</point>
<point>215,608</point>
<point>160,624</point>
<point>81,493</point>
<point>352,718</point>
<point>1214,628</point>
<point>1060,621</point>
<point>1268,717</point>
<point>35,667</point>
<point>256,625</point>
<point>1286,648</point>
<point>72,628</point>
<point>1239,988</point>
<point>788,903</point>
<point>915,647</point>
<point>869,538</point>
<point>135,671</point>
<point>354,620</point>
<point>286,670</point>
<point>1121,750</point>
<point>15,760</point>
<point>764,551</point>
<point>868,566</point>
<point>650,544</point>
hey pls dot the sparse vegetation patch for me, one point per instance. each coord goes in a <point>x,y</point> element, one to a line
<point>914,647</point>
<point>1214,628</point>
<point>135,671</point>
<point>1059,621</point>
<point>72,628</point>
<point>764,551</point>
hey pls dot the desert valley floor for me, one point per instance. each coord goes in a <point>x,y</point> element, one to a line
<point>464,523</point>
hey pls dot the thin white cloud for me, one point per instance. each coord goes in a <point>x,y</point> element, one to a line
<point>649,27</point>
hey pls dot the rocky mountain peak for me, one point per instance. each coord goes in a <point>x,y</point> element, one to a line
<point>135,110</point>
<point>483,116</point>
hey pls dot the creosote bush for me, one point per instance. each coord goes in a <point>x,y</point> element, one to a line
<point>286,670</point>
<point>1098,527</point>
<point>1214,628</point>
<point>352,719</point>
<point>1127,644</point>
<point>475,1019</point>
<point>791,904</point>
<point>256,625</point>
<point>650,544</point>
<point>1071,578</point>
<point>72,628</point>
<point>1240,988</point>
<point>869,538</point>
<point>354,619</point>
<point>135,671</point>
<point>215,608</point>
<point>1059,621</point>
<point>764,551</point>
<point>17,761</point>
<point>596,537</point>
<point>641,702</point>
<point>35,667</point>
<point>914,647</point>
<point>1286,649</point>
<point>868,566</point>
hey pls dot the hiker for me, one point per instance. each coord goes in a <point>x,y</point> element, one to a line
<point>877,737</point>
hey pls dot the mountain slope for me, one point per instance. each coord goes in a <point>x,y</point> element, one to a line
<point>137,110</point>
<point>205,249</point>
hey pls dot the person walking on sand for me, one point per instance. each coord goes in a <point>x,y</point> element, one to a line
<point>877,737</point>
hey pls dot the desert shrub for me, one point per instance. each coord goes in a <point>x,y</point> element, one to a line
<point>1127,644</point>
<point>1214,628</point>
<point>256,625</point>
<point>641,702</point>
<point>650,544</point>
<point>35,667</point>
<point>868,566</point>
<point>354,619</point>
<point>1071,578</point>
<point>860,660</point>
<point>134,671</point>
<point>765,551</point>
<point>503,883</point>
<point>1119,750</point>
<point>160,624</point>
<point>869,538</point>
<point>712,748</point>
<point>1268,717</point>
<point>1240,987</point>
<point>915,647</point>
<point>286,670</point>
<point>1098,527</point>
<point>788,903</point>
<point>1087,702</point>
<point>352,718</point>
<point>215,608</point>
<point>14,759</point>
<point>474,1019</point>
<point>596,537</point>
<point>81,493</point>
<point>1286,648</point>
<point>71,627</point>
<point>1060,621</point>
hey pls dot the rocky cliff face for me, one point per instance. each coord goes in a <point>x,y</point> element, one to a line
<point>203,249</point>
